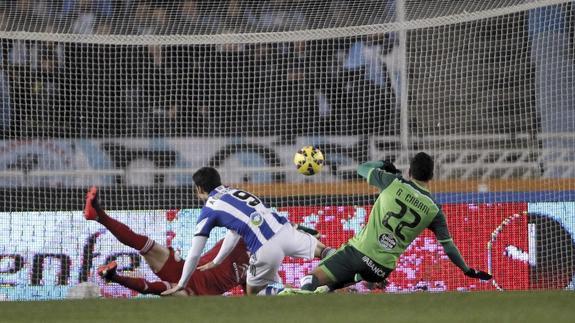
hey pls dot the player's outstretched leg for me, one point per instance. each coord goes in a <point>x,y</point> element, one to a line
<point>322,251</point>
<point>93,211</point>
<point>108,271</point>
<point>140,285</point>
<point>305,229</point>
<point>91,207</point>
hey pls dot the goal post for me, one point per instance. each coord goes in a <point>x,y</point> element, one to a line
<point>135,96</point>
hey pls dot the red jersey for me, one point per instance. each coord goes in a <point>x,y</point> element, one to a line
<point>216,281</point>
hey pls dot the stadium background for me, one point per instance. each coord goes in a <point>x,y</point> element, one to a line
<point>490,98</point>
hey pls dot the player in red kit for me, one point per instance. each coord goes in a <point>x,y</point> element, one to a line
<point>165,263</point>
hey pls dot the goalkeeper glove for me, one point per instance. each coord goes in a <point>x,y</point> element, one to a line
<point>478,274</point>
<point>389,167</point>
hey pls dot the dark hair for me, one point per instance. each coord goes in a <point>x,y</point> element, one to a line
<point>421,167</point>
<point>207,178</point>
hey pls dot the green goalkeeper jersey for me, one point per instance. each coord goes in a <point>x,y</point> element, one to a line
<point>401,212</point>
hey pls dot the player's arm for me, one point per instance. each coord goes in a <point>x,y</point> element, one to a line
<point>203,228</point>
<point>364,169</point>
<point>198,244</point>
<point>378,173</point>
<point>230,242</point>
<point>439,228</point>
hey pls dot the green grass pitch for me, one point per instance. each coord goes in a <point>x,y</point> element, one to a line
<point>490,307</point>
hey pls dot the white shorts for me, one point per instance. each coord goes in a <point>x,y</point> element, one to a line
<point>265,263</point>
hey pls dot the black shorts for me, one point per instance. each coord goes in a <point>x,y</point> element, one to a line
<point>347,261</point>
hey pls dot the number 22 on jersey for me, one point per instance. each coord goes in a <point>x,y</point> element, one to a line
<point>401,224</point>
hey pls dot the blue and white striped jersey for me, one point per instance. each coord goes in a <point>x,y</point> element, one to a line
<point>241,212</point>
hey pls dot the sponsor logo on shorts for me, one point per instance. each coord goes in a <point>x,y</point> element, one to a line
<point>387,241</point>
<point>374,268</point>
<point>256,219</point>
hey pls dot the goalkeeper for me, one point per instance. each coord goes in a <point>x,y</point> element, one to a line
<point>403,209</point>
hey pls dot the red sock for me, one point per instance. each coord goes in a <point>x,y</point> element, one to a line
<point>141,285</point>
<point>124,234</point>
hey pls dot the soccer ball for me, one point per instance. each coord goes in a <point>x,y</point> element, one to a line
<point>308,160</point>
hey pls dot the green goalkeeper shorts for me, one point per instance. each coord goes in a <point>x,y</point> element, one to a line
<point>347,261</point>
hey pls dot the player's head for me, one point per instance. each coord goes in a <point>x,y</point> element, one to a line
<point>206,180</point>
<point>421,167</point>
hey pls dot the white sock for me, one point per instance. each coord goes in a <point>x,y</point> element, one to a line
<point>269,291</point>
<point>307,279</point>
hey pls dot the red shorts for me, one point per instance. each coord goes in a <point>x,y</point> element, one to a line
<point>216,281</point>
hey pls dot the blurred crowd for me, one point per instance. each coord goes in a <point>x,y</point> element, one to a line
<point>188,16</point>
<point>52,89</point>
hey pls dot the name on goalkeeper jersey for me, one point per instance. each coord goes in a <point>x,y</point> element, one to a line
<point>416,203</point>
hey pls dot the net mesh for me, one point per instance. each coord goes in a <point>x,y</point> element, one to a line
<point>134,96</point>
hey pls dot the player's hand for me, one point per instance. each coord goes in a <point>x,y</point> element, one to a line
<point>477,274</point>
<point>207,266</point>
<point>172,290</point>
<point>389,167</point>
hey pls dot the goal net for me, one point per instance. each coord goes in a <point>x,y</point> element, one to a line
<point>134,96</point>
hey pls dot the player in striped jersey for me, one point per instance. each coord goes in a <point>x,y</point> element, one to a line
<point>165,263</point>
<point>269,237</point>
